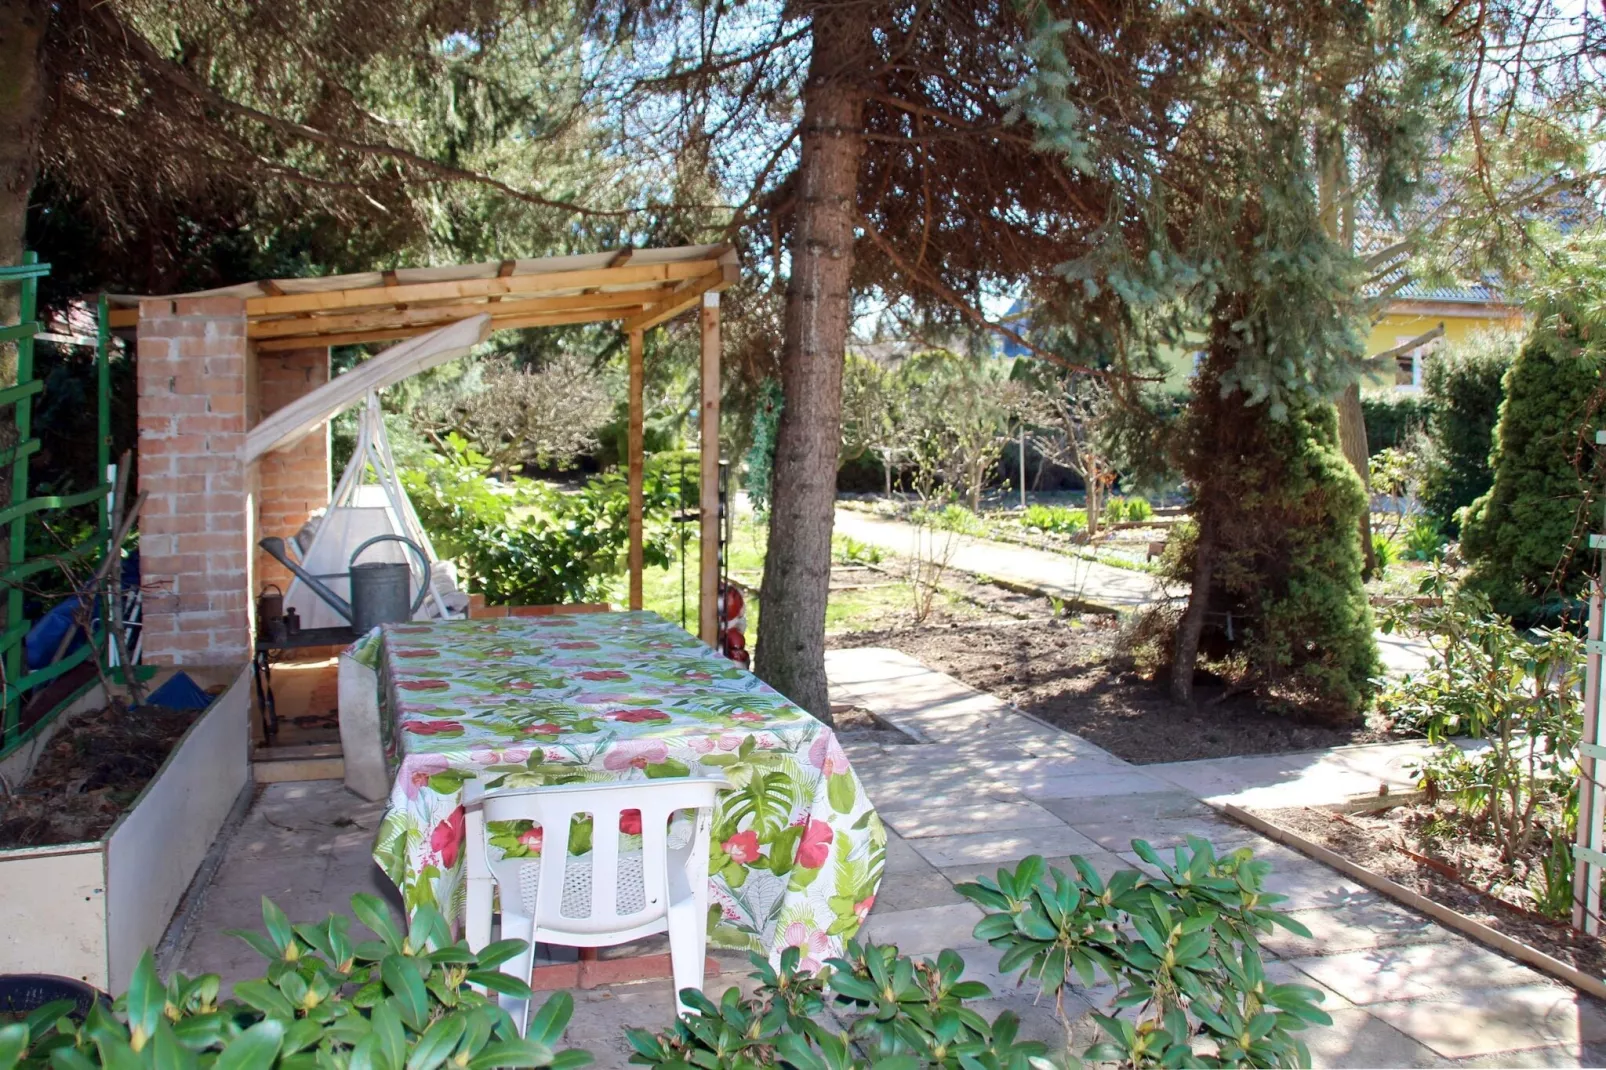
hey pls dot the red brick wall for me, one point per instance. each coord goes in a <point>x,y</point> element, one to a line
<point>195,530</point>
<point>293,481</point>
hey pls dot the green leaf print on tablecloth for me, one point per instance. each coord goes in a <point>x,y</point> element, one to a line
<point>797,850</point>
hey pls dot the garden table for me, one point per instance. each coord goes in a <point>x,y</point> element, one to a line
<point>515,702</point>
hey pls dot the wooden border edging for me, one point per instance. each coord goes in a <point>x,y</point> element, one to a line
<point>1480,932</point>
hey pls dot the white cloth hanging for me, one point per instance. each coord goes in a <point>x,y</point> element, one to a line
<point>368,501</point>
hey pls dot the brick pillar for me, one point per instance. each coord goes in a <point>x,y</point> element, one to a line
<point>293,481</point>
<point>195,530</point>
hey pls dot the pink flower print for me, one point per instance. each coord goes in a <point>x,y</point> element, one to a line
<point>514,756</point>
<point>861,909</point>
<point>577,644</point>
<point>638,716</point>
<point>545,728</point>
<point>635,753</point>
<point>416,776</point>
<point>749,716</point>
<point>815,846</point>
<point>730,741</point>
<point>700,744</point>
<point>531,838</point>
<point>630,822</point>
<point>604,674</point>
<point>447,838</point>
<point>742,847</point>
<point>812,942</point>
<point>729,913</point>
<point>432,728</point>
<point>826,755</point>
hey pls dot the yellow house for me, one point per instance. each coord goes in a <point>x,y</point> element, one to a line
<point>1419,310</point>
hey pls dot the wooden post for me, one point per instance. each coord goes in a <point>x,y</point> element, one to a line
<point>708,610</point>
<point>633,449</point>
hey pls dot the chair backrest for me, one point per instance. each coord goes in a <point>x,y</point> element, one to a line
<point>555,807</point>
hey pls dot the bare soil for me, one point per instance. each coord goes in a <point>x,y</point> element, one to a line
<point>89,774</point>
<point>1064,671</point>
<point>1416,847</point>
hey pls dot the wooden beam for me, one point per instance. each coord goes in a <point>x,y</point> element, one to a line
<point>386,318</point>
<point>498,323</point>
<point>123,317</point>
<point>537,283</point>
<point>503,270</point>
<point>709,518</point>
<point>269,287</point>
<point>622,257</point>
<point>685,296</point>
<point>636,462</point>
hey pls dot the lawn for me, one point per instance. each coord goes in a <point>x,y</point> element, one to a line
<point>864,595</point>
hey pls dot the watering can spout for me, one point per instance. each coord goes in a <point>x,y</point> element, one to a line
<point>276,549</point>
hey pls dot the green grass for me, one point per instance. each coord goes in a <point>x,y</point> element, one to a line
<point>858,610</point>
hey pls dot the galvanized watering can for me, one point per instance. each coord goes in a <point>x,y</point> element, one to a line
<point>379,589</point>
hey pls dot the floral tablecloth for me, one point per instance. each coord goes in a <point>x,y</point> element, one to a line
<point>513,702</point>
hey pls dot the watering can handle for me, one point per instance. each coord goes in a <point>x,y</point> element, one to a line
<point>429,579</point>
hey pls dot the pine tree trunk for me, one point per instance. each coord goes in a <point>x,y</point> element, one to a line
<point>1352,436</point>
<point>797,566</point>
<point>1191,625</point>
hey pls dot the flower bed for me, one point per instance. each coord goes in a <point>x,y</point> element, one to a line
<point>88,909</point>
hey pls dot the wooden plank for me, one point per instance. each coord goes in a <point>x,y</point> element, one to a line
<point>622,257</point>
<point>636,463</point>
<point>269,287</point>
<point>708,428</point>
<point>388,319</point>
<point>1416,901</point>
<point>541,282</point>
<point>295,420</point>
<point>684,297</point>
<point>123,317</point>
<point>499,323</point>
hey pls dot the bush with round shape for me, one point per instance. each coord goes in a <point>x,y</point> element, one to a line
<point>1463,388</point>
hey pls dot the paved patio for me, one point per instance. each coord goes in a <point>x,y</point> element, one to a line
<point>986,787</point>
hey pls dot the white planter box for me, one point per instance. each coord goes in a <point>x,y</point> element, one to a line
<point>89,910</point>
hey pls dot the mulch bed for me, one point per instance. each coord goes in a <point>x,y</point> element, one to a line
<point>1063,670</point>
<point>90,772</point>
<point>1413,846</point>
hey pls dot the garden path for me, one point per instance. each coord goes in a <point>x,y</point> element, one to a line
<point>1072,579</point>
<point>983,786</point>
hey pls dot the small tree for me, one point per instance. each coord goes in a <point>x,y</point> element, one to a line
<point>875,413</point>
<point>1074,409</point>
<point>962,414</point>
<point>1524,537</point>
<point>518,415</point>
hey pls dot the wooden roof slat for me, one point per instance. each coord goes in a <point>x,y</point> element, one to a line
<point>372,296</point>
<point>682,298</point>
<point>269,287</point>
<point>611,305</point>
<point>384,334</point>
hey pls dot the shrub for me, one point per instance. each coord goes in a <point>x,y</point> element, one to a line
<point>898,1012</point>
<point>1463,387</point>
<point>523,543</point>
<point>1383,551</point>
<point>1392,417</point>
<point>1114,510</point>
<point>1487,681</point>
<point>1182,949</point>
<point>1425,539</point>
<point>1055,519</point>
<point>325,1002</point>
<point>850,551</point>
<point>1138,509</point>
<point>1521,536</point>
<point>1287,554</point>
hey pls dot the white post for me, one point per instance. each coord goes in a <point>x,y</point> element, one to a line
<point>1023,466</point>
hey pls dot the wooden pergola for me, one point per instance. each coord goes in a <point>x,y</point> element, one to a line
<point>638,288</point>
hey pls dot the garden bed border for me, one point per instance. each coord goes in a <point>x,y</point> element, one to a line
<point>1478,931</point>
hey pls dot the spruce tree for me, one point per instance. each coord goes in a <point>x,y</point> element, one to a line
<point>1526,537</point>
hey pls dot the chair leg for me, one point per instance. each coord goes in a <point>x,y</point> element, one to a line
<point>477,908</point>
<point>687,948</point>
<point>516,926</point>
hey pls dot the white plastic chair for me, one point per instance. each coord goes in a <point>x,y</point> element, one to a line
<point>605,898</point>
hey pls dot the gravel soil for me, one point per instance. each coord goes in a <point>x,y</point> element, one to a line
<point>1064,671</point>
<point>1414,846</point>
